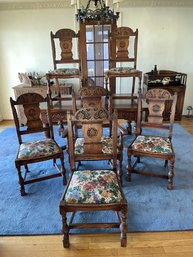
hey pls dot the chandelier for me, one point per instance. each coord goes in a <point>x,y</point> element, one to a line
<point>101,12</point>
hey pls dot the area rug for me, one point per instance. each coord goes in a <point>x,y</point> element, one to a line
<point>151,206</point>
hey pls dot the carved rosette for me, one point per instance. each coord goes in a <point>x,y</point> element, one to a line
<point>92,132</point>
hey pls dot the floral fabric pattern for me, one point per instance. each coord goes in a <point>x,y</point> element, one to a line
<point>38,148</point>
<point>107,145</point>
<point>68,71</point>
<point>152,144</point>
<point>122,70</point>
<point>93,186</point>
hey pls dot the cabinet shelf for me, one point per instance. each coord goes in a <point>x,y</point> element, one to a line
<point>173,82</point>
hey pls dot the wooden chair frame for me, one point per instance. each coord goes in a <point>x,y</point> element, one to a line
<point>92,120</point>
<point>31,103</point>
<point>119,53</point>
<point>99,97</point>
<point>156,100</point>
<point>65,37</point>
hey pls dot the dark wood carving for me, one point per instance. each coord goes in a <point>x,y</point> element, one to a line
<point>95,96</point>
<point>65,37</point>
<point>91,113</point>
<point>93,91</point>
<point>122,36</point>
<point>156,104</point>
<point>32,111</point>
<point>158,94</point>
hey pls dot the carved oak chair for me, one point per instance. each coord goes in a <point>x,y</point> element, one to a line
<point>123,44</point>
<point>154,144</point>
<point>99,97</point>
<point>63,42</point>
<point>95,96</point>
<point>97,189</point>
<point>41,149</point>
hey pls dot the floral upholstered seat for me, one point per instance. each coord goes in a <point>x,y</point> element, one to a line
<point>153,144</point>
<point>66,71</point>
<point>93,186</point>
<point>122,70</point>
<point>107,147</point>
<point>37,149</point>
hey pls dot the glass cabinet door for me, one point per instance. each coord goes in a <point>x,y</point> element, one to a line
<point>95,52</point>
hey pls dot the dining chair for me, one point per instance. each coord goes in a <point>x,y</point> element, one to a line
<point>99,97</point>
<point>153,136</point>
<point>96,189</point>
<point>123,79</point>
<point>34,147</point>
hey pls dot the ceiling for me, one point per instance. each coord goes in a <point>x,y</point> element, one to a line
<point>45,4</point>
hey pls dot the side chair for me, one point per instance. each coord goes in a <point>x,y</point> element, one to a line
<point>123,72</point>
<point>93,190</point>
<point>40,149</point>
<point>153,136</point>
<point>99,97</point>
<point>66,62</point>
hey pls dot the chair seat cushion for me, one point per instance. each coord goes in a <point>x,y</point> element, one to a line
<point>153,144</point>
<point>66,71</point>
<point>93,186</point>
<point>122,70</point>
<point>38,148</point>
<point>107,145</point>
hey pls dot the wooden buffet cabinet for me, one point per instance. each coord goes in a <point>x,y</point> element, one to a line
<point>173,82</point>
<point>39,89</point>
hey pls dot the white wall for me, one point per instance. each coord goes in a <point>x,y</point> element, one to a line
<point>165,39</point>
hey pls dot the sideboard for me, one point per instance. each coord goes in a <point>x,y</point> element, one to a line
<point>173,82</point>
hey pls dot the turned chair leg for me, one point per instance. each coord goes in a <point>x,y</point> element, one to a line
<point>166,163</point>
<point>128,177</point>
<point>129,127</point>
<point>170,175</point>
<point>120,169</point>
<point>65,230</point>
<point>63,171</point>
<point>26,168</point>
<point>123,228</point>
<point>21,180</point>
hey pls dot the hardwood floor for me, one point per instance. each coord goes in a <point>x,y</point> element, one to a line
<point>155,244</point>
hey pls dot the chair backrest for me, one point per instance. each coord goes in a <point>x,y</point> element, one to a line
<point>64,39</point>
<point>30,102</point>
<point>123,44</point>
<point>96,96</point>
<point>91,121</point>
<point>155,100</point>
